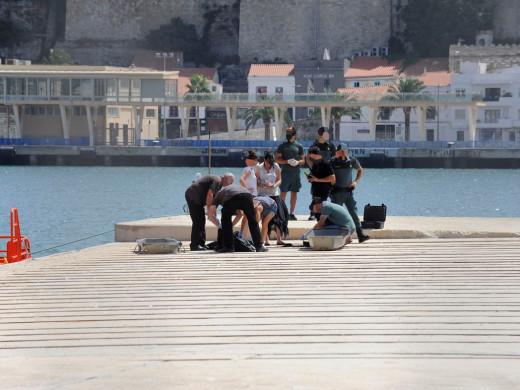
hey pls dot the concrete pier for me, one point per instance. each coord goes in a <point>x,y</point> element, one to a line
<point>391,313</point>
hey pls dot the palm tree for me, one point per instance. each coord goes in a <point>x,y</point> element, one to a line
<point>198,84</point>
<point>266,114</point>
<point>398,91</point>
<point>338,112</point>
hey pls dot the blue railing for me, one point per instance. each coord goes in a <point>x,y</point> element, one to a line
<point>45,141</point>
<point>244,144</point>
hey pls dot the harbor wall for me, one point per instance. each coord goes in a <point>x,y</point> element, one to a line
<point>234,157</point>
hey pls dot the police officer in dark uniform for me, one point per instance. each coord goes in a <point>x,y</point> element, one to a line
<point>343,191</point>
<point>327,151</point>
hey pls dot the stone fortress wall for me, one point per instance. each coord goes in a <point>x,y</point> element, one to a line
<point>301,29</point>
<point>106,31</point>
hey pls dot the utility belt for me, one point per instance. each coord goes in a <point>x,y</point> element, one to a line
<point>347,189</point>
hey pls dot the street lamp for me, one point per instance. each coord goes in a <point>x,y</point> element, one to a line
<point>164,56</point>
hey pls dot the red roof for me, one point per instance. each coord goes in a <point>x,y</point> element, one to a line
<point>373,67</point>
<point>431,79</point>
<point>266,70</point>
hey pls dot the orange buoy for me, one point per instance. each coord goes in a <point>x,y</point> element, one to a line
<point>18,246</point>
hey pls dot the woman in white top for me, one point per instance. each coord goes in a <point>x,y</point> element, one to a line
<point>248,179</point>
<point>269,179</point>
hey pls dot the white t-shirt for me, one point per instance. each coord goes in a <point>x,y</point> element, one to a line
<point>250,181</point>
<point>268,177</point>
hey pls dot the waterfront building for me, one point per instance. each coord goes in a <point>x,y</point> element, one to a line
<point>373,76</point>
<point>499,120</point>
<point>85,105</point>
<point>272,81</point>
<point>181,121</point>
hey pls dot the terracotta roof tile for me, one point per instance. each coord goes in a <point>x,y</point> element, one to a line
<point>367,89</point>
<point>186,73</point>
<point>267,70</point>
<point>431,79</point>
<point>373,67</point>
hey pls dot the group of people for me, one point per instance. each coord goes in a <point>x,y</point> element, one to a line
<point>260,196</point>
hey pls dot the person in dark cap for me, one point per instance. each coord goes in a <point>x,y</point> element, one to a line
<point>343,191</point>
<point>321,177</point>
<point>290,157</point>
<point>327,148</point>
<point>327,151</point>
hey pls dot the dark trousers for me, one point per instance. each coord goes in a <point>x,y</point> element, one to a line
<point>198,226</point>
<point>347,198</point>
<point>242,202</point>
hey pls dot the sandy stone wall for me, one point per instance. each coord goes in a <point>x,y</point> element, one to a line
<point>296,29</point>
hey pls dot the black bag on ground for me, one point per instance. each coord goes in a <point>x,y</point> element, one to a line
<point>374,217</point>
<point>240,244</point>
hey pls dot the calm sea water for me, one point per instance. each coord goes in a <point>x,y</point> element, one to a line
<point>78,206</point>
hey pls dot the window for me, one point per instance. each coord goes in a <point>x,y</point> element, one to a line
<point>491,134</point>
<point>356,84</point>
<point>80,111</point>
<point>326,84</point>
<point>99,88</point>
<point>262,89</point>
<point>384,113</point>
<point>65,87</point>
<point>174,111</point>
<point>431,113</point>
<point>430,135</point>
<point>492,95</point>
<point>491,116</point>
<point>113,111</point>
<point>512,136</point>
<point>460,135</point>
<point>193,112</point>
<point>150,113</point>
<point>310,111</point>
<point>460,114</point>
<point>460,92</point>
<point>505,113</point>
<point>278,89</point>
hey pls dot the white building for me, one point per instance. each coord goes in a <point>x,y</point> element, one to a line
<point>374,76</point>
<point>499,120</point>
<point>272,80</point>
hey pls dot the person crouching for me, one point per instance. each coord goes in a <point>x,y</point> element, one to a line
<point>233,198</point>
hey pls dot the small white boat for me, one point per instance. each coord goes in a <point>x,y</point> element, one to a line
<point>328,238</point>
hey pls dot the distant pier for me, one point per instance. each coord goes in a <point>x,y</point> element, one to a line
<point>233,156</point>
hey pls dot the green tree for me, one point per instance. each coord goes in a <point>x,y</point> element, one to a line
<point>58,57</point>
<point>266,115</point>
<point>337,112</point>
<point>398,93</point>
<point>432,26</point>
<point>199,85</point>
<point>178,36</point>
